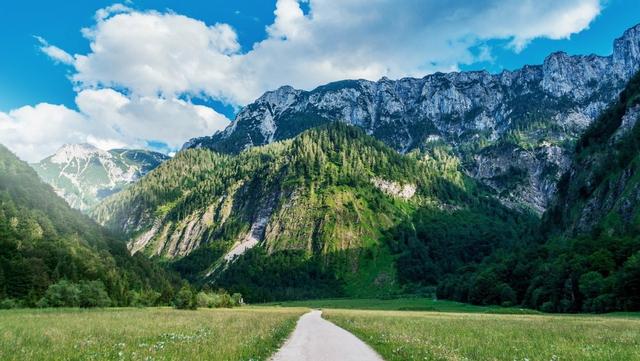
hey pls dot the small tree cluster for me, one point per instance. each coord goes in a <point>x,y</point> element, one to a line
<point>220,299</point>
<point>68,294</point>
<point>185,298</point>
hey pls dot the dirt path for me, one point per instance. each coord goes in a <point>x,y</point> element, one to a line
<point>316,339</point>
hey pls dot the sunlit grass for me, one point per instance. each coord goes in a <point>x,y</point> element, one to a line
<point>398,335</point>
<point>402,304</point>
<point>144,334</point>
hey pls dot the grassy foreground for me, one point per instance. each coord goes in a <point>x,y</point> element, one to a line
<point>144,334</point>
<point>455,336</point>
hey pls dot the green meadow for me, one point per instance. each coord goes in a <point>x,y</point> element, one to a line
<point>403,329</point>
<point>144,334</point>
<point>402,304</point>
<point>408,335</point>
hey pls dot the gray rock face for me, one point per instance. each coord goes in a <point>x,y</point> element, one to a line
<point>84,175</point>
<point>513,130</point>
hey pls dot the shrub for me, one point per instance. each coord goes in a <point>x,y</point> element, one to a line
<point>68,294</point>
<point>185,299</point>
<point>145,298</point>
<point>219,299</point>
<point>93,294</point>
<point>548,307</point>
<point>61,294</point>
<point>205,299</point>
<point>8,303</point>
<point>236,299</point>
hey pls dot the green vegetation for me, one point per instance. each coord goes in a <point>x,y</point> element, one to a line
<point>584,257</point>
<point>144,334</point>
<point>220,299</point>
<point>591,262</point>
<point>400,304</point>
<point>455,336</point>
<point>51,255</point>
<point>328,221</point>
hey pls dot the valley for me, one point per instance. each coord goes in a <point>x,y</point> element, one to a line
<point>319,181</point>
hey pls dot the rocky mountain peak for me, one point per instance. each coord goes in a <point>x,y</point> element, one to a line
<point>68,152</point>
<point>626,51</point>
<point>498,124</point>
<point>83,174</point>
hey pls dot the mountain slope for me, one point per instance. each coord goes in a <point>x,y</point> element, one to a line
<point>522,122</point>
<point>600,192</point>
<point>589,257</point>
<point>43,241</point>
<point>596,217</point>
<point>84,175</point>
<point>299,218</point>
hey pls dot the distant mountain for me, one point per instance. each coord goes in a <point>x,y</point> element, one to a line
<point>43,241</point>
<point>514,131</point>
<point>84,175</point>
<point>304,217</point>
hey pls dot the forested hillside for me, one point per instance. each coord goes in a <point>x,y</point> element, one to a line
<point>590,259</point>
<point>51,254</point>
<point>302,218</point>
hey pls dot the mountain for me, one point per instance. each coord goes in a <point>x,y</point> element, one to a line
<point>304,217</point>
<point>84,175</point>
<point>514,131</point>
<point>43,242</point>
<point>588,259</point>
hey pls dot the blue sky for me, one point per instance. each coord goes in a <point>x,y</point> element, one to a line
<point>155,73</point>
<point>27,76</point>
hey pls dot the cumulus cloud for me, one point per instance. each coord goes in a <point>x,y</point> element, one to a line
<point>33,132</point>
<point>107,119</point>
<point>151,52</point>
<point>155,59</point>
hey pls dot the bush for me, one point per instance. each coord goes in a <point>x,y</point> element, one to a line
<point>548,307</point>
<point>219,299</point>
<point>205,299</point>
<point>145,298</point>
<point>61,294</point>
<point>185,299</point>
<point>8,303</point>
<point>68,294</point>
<point>236,299</point>
<point>93,294</point>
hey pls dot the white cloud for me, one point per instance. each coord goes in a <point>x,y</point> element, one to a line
<point>159,58</point>
<point>107,119</point>
<point>150,52</point>
<point>54,52</point>
<point>141,119</point>
<point>34,132</point>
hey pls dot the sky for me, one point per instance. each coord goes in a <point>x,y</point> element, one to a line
<point>153,74</point>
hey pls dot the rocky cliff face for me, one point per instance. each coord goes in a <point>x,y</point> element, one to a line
<point>84,175</point>
<point>521,122</point>
<point>600,194</point>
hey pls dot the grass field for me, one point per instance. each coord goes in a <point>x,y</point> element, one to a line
<point>401,335</point>
<point>392,327</point>
<point>144,334</point>
<point>402,304</point>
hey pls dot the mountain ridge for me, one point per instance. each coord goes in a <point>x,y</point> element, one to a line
<point>83,174</point>
<point>540,110</point>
